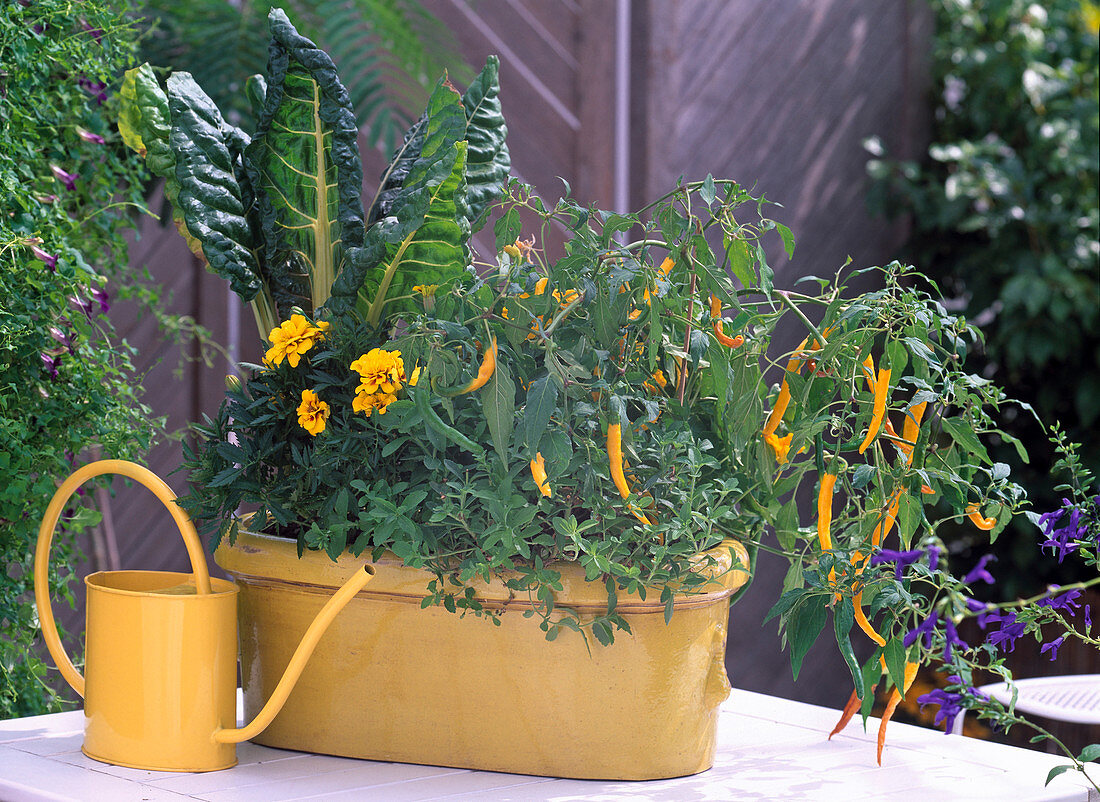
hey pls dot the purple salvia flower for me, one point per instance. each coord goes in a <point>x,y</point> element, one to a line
<point>901,559</point>
<point>950,706</point>
<point>979,572</point>
<point>1011,630</point>
<point>1067,601</point>
<point>1088,619</point>
<point>951,639</point>
<point>66,178</point>
<point>101,297</point>
<point>925,629</point>
<point>49,258</point>
<point>1052,647</point>
<point>88,136</point>
<point>933,557</point>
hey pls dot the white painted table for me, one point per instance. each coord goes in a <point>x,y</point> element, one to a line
<point>768,749</point>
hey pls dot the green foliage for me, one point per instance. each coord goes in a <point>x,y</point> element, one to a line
<point>57,57</point>
<point>387,50</point>
<point>1005,207</point>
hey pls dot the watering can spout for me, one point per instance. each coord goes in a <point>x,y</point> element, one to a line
<point>298,661</point>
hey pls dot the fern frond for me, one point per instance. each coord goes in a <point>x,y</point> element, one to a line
<point>389,53</point>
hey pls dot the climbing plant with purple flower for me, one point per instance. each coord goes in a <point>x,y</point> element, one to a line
<point>66,184</point>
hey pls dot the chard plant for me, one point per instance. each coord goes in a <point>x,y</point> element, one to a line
<point>620,406</point>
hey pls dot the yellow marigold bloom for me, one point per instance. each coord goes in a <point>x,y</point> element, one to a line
<point>415,376</point>
<point>312,413</point>
<point>368,402</point>
<point>380,371</point>
<point>292,338</point>
<point>780,445</point>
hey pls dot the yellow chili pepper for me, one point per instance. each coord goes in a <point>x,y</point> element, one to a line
<point>975,516</point>
<point>825,510</point>
<point>615,456</point>
<point>864,624</point>
<point>484,373</point>
<point>911,430</point>
<point>879,409</point>
<point>617,463</point>
<point>538,473</point>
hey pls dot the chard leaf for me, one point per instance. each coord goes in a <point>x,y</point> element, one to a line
<point>303,165</point>
<point>145,124</point>
<point>209,197</point>
<point>423,240</point>
<point>487,161</point>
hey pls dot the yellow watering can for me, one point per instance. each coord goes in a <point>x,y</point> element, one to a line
<point>161,650</point>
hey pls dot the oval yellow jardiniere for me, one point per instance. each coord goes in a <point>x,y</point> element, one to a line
<point>392,681</point>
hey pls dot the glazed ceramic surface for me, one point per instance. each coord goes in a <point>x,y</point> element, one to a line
<point>392,681</point>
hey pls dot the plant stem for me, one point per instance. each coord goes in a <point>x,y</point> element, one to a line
<point>783,296</point>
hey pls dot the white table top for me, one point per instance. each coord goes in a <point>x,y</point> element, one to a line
<point>768,749</point>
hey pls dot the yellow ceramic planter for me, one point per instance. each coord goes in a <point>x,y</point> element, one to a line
<point>392,681</point>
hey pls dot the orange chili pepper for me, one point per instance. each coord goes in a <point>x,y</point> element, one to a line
<point>538,473</point>
<point>849,711</point>
<point>975,516</point>
<point>882,385</point>
<point>895,697</point>
<point>719,329</point>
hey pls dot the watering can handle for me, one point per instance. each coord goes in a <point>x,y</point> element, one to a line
<point>45,537</point>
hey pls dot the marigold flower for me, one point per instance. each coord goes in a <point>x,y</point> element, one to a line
<point>380,371</point>
<point>292,338</point>
<point>368,402</point>
<point>312,413</point>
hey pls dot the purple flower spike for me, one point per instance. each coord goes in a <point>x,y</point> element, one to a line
<point>979,572</point>
<point>933,557</point>
<point>101,297</point>
<point>66,178</point>
<point>49,258</point>
<point>84,305</point>
<point>901,559</point>
<point>1052,647</point>
<point>1088,619</point>
<point>88,136</point>
<point>63,337</point>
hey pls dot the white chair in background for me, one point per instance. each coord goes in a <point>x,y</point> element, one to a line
<point>1074,698</point>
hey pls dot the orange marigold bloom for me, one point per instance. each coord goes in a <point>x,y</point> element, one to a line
<point>312,413</point>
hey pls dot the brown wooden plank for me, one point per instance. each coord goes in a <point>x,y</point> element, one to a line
<point>592,175</point>
<point>557,18</point>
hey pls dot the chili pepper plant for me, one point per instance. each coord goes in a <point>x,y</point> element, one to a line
<point>597,388</point>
